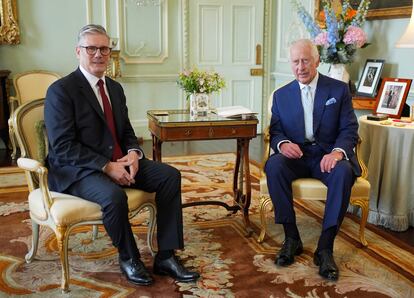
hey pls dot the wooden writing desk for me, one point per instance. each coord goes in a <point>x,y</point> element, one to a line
<point>176,125</point>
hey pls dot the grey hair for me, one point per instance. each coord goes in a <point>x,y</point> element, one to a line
<point>91,29</point>
<point>308,43</point>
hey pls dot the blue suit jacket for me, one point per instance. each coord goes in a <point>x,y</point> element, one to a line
<point>334,122</point>
<point>80,142</point>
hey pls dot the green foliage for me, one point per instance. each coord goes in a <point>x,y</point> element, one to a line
<point>198,81</point>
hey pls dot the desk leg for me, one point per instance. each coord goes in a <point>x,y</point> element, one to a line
<point>156,148</point>
<point>242,182</point>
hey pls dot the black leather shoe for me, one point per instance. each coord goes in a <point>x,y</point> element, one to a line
<point>135,272</point>
<point>173,268</point>
<point>327,267</point>
<point>290,249</point>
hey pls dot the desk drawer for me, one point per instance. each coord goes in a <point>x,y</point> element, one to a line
<point>205,133</point>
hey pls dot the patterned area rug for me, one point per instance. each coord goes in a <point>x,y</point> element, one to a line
<point>230,264</point>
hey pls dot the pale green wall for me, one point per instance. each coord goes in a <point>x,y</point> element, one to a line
<point>48,39</point>
<point>382,34</point>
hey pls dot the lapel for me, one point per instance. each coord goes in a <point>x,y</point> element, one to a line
<point>321,95</point>
<point>296,104</point>
<point>88,94</point>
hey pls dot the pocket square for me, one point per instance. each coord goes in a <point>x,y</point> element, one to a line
<point>330,101</point>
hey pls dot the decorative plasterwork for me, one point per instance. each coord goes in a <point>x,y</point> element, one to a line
<point>143,32</point>
<point>267,59</point>
<point>9,27</point>
<point>186,34</point>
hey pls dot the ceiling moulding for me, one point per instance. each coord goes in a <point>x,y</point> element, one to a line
<point>143,31</point>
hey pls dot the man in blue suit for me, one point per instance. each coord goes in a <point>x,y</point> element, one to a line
<point>94,153</point>
<point>313,133</point>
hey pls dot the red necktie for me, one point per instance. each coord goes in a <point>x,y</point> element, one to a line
<point>117,152</point>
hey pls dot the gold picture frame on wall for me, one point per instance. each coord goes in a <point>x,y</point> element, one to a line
<point>9,26</point>
<point>379,9</point>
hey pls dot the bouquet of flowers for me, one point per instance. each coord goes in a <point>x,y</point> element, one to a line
<point>337,32</point>
<point>197,81</point>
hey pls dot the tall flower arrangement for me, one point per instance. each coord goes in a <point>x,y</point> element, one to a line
<point>337,31</point>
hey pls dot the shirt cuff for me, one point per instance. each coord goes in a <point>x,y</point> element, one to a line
<point>341,150</point>
<point>138,151</point>
<point>280,143</point>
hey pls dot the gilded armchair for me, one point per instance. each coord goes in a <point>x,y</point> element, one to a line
<point>28,86</point>
<point>60,212</point>
<point>314,189</point>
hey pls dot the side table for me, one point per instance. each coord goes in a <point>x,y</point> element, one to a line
<point>177,125</point>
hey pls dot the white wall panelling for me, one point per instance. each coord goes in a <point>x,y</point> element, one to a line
<point>210,35</point>
<point>143,32</point>
<point>243,37</point>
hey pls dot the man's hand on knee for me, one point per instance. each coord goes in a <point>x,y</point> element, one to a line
<point>330,160</point>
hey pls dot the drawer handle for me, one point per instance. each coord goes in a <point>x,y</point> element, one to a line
<point>233,131</point>
<point>211,132</point>
<point>187,132</point>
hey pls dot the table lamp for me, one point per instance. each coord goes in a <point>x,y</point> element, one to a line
<point>407,39</point>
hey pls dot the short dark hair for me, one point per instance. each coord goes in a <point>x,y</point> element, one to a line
<point>91,29</point>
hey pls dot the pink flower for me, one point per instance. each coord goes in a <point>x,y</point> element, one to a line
<point>355,35</point>
<point>321,39</point>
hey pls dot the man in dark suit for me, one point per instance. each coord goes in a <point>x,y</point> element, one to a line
<point>94,153</point>
<point>313,133</point>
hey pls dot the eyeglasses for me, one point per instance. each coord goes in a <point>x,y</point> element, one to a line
<point>91,50</point>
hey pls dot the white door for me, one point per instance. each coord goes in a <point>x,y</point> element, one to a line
<point>227,36</point>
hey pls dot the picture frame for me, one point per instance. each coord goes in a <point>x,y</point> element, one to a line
<point>371,75</point>
<point>392,96</point>
<point>379,9</point>
<point>9,26</point>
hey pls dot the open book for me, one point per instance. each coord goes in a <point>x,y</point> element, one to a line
<point>235,112</point>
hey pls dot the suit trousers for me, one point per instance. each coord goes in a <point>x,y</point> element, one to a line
<point>152,176</point>
<point>281,171</point>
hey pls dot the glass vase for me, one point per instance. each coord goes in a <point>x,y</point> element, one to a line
<point>339,72</point>
<point>199,104</point>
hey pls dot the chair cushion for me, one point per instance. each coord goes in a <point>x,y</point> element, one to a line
<point>67,209</point>
<point>314,189</point>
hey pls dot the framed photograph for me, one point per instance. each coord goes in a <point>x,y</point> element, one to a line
<point>378,9</point>
<point>392,96</point>
<point>371,75</point>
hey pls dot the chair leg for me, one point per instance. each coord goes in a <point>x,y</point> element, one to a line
<point>264,202</point>
<point>94,232</point>
<point>62,240</point>
<point>12,140</point>
<point>35,243</point>
<point>363,204</point>
<point>151,228</point>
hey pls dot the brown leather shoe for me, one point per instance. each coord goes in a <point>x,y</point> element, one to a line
<point>291,248</point>
<point>327,267</point>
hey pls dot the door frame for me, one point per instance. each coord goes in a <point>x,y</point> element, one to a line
<point>267,50</point>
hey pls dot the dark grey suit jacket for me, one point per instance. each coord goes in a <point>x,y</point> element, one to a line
<point>80,142</point>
